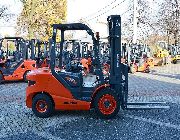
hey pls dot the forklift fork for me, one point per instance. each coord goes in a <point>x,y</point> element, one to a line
<point>146,105</point>
<point>136,105</point>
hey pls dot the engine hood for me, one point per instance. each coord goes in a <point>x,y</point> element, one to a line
<point>37,72</point>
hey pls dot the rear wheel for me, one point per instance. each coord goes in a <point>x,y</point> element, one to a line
<point>147,70</point>
<point>175,61</point>
<point>24,76</point>
<point>42,106</point>
<point>106,104</point>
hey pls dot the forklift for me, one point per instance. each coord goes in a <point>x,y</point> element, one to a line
<point>55,89</point>
<point>161,54</point>
<point>137,58</point>
<point>175,53</point>
<point>17,66</point>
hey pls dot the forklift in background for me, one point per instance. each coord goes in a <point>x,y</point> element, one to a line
<point>2,57</point>
<point>137,57</point>
<point>75,50</point>
<point>56,89</point>
<point>104,53</point>
<point>41,56</point>
<point>175,53</point>
<point>161,55</point>
<point>15,68</point>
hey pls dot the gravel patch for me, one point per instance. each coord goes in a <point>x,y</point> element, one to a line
<point>162,84</point>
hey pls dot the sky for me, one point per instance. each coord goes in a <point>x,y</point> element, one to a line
<point>84,8</point>
<point>76,9</point>
<point>15,7</point>
<point>90,10</point>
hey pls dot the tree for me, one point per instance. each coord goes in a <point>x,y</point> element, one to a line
<point>4,13</point>
<point>38,15</point>
<point>144,23</point>
<point>169,18</point>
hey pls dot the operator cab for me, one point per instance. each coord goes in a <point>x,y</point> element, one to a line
<point>12,51</point>
<point>75,61</point>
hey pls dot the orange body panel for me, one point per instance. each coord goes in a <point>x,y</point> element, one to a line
<point>89,61</point>
<point>47,83</point>
<point>142,68</point>
<point>85,63</point>
<point>150,62</point>
<point>19,72</point>
<point>100,88</point>
<point>158,61</point>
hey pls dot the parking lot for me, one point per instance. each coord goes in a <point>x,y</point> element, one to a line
<point>161,84</point>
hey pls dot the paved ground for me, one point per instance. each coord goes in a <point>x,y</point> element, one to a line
<point>162,84</point>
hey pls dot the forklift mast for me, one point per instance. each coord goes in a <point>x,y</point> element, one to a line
<point>115,53</point>
<point>32,48</point>
<point>118,71</point>
<point>84,47</point>
<point>35,47</point>
<point>38,47</point>
<point>46,49</point>
<point>1,40</point>
<point>76,47</point>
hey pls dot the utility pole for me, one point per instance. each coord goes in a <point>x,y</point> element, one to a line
<point>135,21</point>
<point>177,22</point>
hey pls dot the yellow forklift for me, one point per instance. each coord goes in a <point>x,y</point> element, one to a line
<point>161,55</point>
<point>175,53</point>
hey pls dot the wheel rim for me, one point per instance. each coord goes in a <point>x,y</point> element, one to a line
<point>107,104</point>
<point>41,106</point>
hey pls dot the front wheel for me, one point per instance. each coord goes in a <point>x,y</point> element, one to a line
<point>42,106</point>
<point>106,104</point>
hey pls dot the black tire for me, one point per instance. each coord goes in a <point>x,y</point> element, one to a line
<point>40,110</point>
<point>147,70</point>
<point>174,61</point>
<point>112,109</point>
<point>1,78</point>
<point>24,76</point>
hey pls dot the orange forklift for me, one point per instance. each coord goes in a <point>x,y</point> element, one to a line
<point>56,89</point>
<point>16,66</point>
<point>137,58</point>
